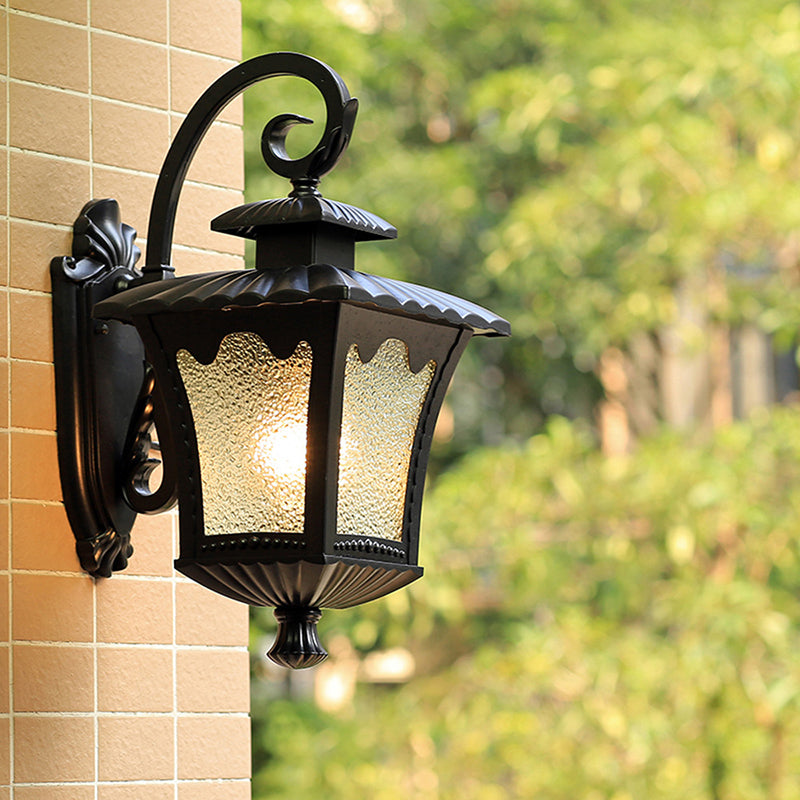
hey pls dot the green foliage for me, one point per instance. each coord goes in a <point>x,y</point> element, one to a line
<point>593,627</point>
<point>565,162</point>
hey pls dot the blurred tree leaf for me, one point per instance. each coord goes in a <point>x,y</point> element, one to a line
<point>623,627</point>
<point>594,627</point>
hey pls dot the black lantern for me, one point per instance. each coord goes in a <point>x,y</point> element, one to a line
<point>296,402</point>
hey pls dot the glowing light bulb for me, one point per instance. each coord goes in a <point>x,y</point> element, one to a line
<point>280,453</point>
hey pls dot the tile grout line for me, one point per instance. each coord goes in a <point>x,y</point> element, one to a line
<point>116,101</point>
<point>128,714</point>
<point>65,23</point>
<point>80,162</point>
<point>9,589</point>
<point>95,674</point>
<point>219,649</point>
<point>184,248</point>
<point>90,96</point>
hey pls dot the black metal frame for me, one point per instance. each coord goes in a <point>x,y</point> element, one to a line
<point>330,329</point>
<point>104,432</point>
<point>99,371</point>
<point>304,288</point>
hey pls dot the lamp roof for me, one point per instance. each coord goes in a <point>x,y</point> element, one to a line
<point>254,220</point>
<point>249,288</point>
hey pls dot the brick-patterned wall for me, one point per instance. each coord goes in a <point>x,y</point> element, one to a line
<point>137,686</point>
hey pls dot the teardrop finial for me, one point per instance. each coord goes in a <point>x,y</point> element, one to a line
<point>297,645</point>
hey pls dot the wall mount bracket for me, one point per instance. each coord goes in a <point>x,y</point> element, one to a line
<point>106,405</point>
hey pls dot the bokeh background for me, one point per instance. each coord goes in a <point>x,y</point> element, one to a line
<point>610,533</point>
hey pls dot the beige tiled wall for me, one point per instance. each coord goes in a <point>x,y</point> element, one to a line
<point>137,686</point>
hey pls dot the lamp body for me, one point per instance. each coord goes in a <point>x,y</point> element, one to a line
<point>296,401</point>
<point>300,403</point>
<point>306,542</point>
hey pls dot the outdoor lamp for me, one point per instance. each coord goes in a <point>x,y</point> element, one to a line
<point>294,403</point>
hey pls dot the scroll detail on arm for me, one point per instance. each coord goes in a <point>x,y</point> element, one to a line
<point>303,172</point>
<point>143,456</point>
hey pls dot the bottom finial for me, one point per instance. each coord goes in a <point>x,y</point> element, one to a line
<point>296,643</point>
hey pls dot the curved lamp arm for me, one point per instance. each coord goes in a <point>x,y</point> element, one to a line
<point>107,400</point>
<point>304,172</point>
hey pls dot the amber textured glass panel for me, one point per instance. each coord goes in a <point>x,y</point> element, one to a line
<point>382,403</point>
<point>250,412</point>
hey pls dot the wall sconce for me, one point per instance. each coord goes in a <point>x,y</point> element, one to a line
<point>295,403</point>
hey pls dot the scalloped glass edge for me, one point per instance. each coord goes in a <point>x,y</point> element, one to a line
<point>381,407</point>
<point>247,401</point>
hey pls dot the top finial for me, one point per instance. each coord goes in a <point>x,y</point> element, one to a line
<point>306,172</point>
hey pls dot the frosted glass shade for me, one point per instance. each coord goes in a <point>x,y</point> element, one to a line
<point>381,405</point>
<point>250,412</point>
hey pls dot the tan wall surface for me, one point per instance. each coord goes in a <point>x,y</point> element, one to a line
<point>137,686</point>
